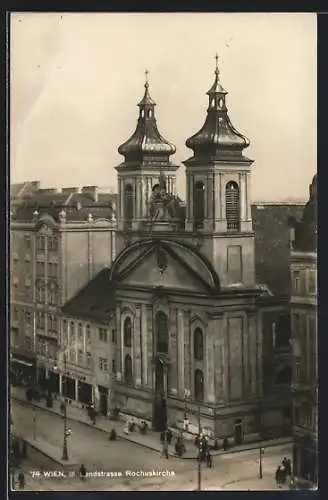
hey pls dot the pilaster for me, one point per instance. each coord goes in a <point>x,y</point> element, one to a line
<point>137,347</point>
<point>173,382</point>
<point>187,356</point>
<point>209,360</point>
<point>255,350</point>
<point>220,382</point>
<point>150,353</point>
<point>144,346</point>
<point>181,353</point>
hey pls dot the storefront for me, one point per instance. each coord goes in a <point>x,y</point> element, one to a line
<point>68,387</point>
<point>22,370</point>
<point>103,399</point>
<point>84,392</point>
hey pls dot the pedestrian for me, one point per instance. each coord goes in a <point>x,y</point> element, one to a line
<point>288,467</point>
<point>21,480</point>
<point>169,436</point>
<point>83,472</point>
<point>278,476</point>
<point>209,460</point>
<point>162,437</point>
<point>165,449</point>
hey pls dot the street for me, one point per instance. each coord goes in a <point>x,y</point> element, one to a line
<point>127,463</point>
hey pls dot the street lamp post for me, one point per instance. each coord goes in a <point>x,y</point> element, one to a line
<point>66,431</point>
<point>65,450</point>
<point>34,424</point>
<point>199,464</point>
<point>260,467</point>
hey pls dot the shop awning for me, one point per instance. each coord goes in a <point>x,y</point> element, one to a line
<point>21,362</point>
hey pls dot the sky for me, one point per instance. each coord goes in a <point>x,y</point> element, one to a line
<point>76,79</point>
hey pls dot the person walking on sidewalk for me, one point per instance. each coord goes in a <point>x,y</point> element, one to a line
<point>165,451</point>
<point>83,472</point>
<point>21,480</point>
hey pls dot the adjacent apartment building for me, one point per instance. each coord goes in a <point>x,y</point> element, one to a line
<point>303,267</point>
<point>60,239</point>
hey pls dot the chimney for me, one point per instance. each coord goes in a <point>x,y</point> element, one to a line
<point>91,191</point>
<point>70,190</point>
<point>48,191</point>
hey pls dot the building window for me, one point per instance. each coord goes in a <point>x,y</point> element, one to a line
<point>198,344</point>
<point>89,359</point>
<point>72,332</point>
<point>199,385</point>
<point>113,336</point>
<point>102,334</point>
<point>88,334</point>
<point>27,242</point>
<point>40,292</point>
<point>40,269</point>
<point>232,206</point>
<point>80,358</point>
<point>28,343</point>
<point>103,364</point>
<point>128,376</point>
<point>40,320</point>
<point>40,244</point>
<point>127,332</point>
<point>52,294</point>
<point>28,318</point>
<point>312,282</point>
<point>113,366</point>
<point>199,205</point>
<point>52,323</point>
<point>298,373</point>
<point>162,333</point>
<point>53,243</point>
<point>296,282</point>
<point>72,355</point>
<point>52,270</point>
<point>128,204</point>
<point>80,333</point>
<point>234,263</point>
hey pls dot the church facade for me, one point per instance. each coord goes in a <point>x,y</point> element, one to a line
<point>187,306</point>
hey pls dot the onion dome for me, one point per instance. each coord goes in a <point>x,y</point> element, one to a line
<point>146,145</point>
<point>217,139</point>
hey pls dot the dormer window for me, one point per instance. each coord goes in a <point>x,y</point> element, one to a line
<point>149,113</point>
<point>142,114</point>
<point>220,103</point>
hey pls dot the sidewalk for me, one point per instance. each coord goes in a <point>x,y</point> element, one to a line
<point>149,440</point>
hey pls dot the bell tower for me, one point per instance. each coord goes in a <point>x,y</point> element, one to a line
<point>218,190</point>
<point>146,161</point>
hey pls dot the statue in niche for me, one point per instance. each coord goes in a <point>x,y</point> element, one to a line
<point>164,206</point>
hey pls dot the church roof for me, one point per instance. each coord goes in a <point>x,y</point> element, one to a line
<point>146,143</point>
<point>95,301</point>
<point>217,139</point>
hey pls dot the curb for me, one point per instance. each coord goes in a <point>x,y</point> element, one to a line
<point>251,446</point>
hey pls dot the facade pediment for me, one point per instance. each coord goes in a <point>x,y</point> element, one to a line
<point>163,264</point>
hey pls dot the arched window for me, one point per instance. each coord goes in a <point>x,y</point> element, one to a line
<point>128,204</point>
<point>127,332</point>
<point>128,377</point>
<point>199,385</point>
<point>284,376</point>
<point>198,344</point>
<point>199,204</point>
<point>162,333</point>
<point>232,206</point>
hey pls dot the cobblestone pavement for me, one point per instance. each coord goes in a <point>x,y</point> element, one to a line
<point>91,447</point>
